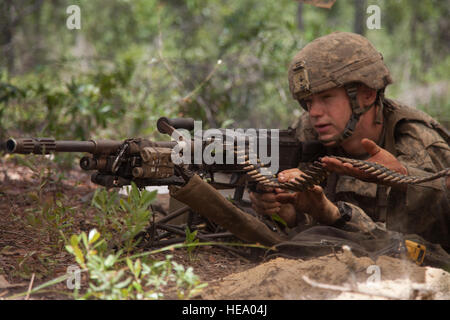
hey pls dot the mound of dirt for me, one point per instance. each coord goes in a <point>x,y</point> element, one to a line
<point>339,276</point>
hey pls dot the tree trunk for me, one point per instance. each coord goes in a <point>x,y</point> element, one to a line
<point>360,16</point>
<point>6,34</point>
<point>38,52</point>
<point>300,16</point>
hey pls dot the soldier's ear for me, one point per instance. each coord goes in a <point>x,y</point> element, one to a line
<point>366,95</point>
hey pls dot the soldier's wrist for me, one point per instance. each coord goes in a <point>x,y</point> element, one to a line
<point>326,212</point>
<point>345,214</point>
<point>333,216</point>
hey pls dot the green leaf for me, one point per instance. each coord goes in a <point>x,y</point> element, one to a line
<point>85,240</point>
<point>70,249</point>
<point>135,193</point>
<point>130,264</point>
<point>74,240</point>
<point>125,206</point>
<point>124,283</point>
<point>147,198</point>
<point>110,260</point>
<point>137,286</point>
<point>78,255</point>
<point>276,217</point>
<point>137,268</point>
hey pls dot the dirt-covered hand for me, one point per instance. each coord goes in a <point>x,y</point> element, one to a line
<point>265,203</point>
<point>312,201</point>
<point>377,155</point>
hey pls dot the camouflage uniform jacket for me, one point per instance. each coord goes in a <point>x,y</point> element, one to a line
<point>422,146</point>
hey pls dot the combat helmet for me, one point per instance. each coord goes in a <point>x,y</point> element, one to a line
<point>340,59</point>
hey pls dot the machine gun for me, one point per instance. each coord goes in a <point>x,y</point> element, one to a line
<point>149,163</point>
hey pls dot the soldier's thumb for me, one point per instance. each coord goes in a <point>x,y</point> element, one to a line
<point>285,197</point>
<point>371,147</point>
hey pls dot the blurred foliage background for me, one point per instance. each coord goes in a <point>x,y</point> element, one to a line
<point>224,62</point>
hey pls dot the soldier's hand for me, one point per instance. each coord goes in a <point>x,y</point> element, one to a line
<point>265,203</point>
<point>377,154</point>
<point>312,201</point>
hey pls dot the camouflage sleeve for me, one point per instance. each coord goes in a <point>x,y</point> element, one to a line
<point>423,209</point>
<point>360,221</point>
<point>422,151</point>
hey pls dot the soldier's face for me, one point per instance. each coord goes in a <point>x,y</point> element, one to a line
<point>329,112</point>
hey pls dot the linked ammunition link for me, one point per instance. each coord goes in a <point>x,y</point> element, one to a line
<point>314,174</point>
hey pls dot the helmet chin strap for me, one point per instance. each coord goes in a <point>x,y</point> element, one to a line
<point>357,112</point>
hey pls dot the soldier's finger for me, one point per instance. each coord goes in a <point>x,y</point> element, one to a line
<point>269,205</point>
<point>371,147</point>
<point>285,197</point>
<point>333,165</point>
<point>258,197</point>
<point>261,188</point>
<point>339,167</point>
<point>348,166</point>
<point>258,210</point>
<point>317,190</point>
<point>263,207</point>
<point>289,174</point>
<point>267,197</point>
<point>327,161</point>
<point>278,190</point>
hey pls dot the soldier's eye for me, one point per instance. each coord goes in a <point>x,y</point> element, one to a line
<point>308,103</point>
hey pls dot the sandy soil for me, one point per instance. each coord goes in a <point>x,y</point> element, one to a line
<point>340,276</point>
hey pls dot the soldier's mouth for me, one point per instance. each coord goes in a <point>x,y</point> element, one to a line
<point>322,128</point>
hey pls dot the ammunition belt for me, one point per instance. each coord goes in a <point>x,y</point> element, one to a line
<point>315,174</point>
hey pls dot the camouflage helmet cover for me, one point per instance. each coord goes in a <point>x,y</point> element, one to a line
<point>335,60</point>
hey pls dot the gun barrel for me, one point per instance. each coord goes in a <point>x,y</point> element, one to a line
<point>49,145</point>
